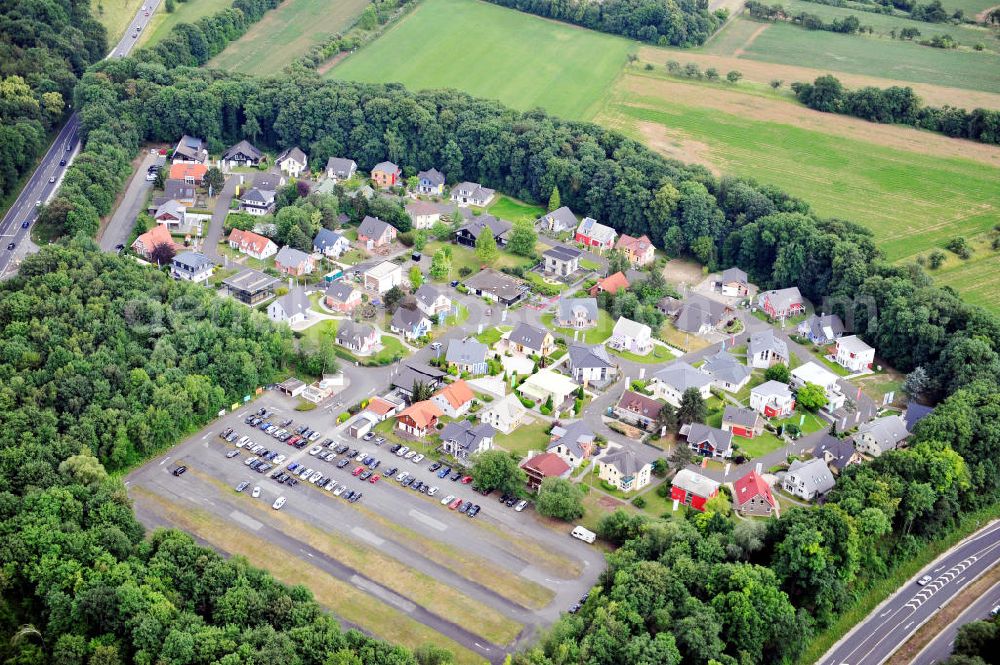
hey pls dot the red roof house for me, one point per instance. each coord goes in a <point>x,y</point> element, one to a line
<point>419,418</point>
<point>639,251</point>
<point>542,466</point>
<point>193,174</point>
<point>252,244</point>
<point>752,495</point>
<point>158,235</point>
<point>612,284</point>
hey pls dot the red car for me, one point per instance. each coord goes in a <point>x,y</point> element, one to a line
<point>358,471</point>
<point>374,479</point>
<point>292,441</point>
<point>454,504</point>
<point>466,480</point>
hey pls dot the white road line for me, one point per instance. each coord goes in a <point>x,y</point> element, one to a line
<point>206,436</point>
<point>164,460</point>
<point>481,646</point>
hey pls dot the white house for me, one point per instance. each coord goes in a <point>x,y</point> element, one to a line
<point>727,372</point>
<point>827,380</point>
<point>340,168</point>
<point>504,415</point>
<point>291,308</point>
<point>765,349</point>
<point>631,336</point>
<point>854,354</point>
<point>454,399</point>
<point>292,161</point>
<point>432,302</point>
<point>192,267</point>
<point>672,381</point>
<point>773,399</point>
<point>546,384</point>
<point>463,439</point>
<point>624,470</point>
<point>383,276</point>
<point>472,193</point>
<point>591,364</point>
<point>330,243</point>
<point>881,435</point>
<point>808,480</point>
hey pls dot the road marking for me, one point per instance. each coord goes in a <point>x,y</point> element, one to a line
<point>428,520</point>
<point>365,534</point>
<point>206,436</point>
<point>907,626</point>
<point>383,593</point>
<point>481,646</point>
<point>885,613</point>
<point>164,460</point>
<point>246,520</point>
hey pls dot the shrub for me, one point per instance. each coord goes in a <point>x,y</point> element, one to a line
<point>639,502</point>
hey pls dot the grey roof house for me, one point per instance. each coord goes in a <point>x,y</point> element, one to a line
<point>561,260</point>
<point>708,441</point>
<point>700,315</point>
<point>243,153</point>
<point>726,371</point>
<point>340,168</point>
<point>468,233</point>
<point>463,438</point>
<point>559,220</point>
<point>330,243</point>
<point>808,480</point>
<point>591,364</point>
<point>577,313</point>
<point>430,182</point>
<point>838,453</point>
<point>822,329</point>
<point>881,435</point>
<point>574,442</point>
<point>468,355</point>
<point>765,349</point>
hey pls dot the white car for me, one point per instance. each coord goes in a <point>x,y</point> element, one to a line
<point>330,486</point>
<point>402,451</point>
<point>255,493</point>
<point>448,499</point>
<point>925,580</point>
<point>314,436</point>
<point>432,491</point>
<point>316,476</point>
<point>360,457</point>
<point>278,503</point>
<point>521,505</point>
<point>305,473</point>
<point>403,476</point>
<point>417,459</point>
<point>339,490</point>
<point>250,460</point>
<point>409,454</point>
<point>280,459</point>
<point>314,450</point>
<point>242,442</point>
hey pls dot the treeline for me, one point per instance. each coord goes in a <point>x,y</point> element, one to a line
<point>376,18</point>
<point>847,25</point>
<point>194,44</point>
<point>45,46</point>
<point>663,22</point>
<point>932,12</point>
<point>976,643</point>
<point>104,362</point>
<point>711,589</point>
<point>898,105</point>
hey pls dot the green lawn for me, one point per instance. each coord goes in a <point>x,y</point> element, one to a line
<point>513,210</point>
<point>657,355</point>
<point>115,15</point>
<point>525,438</point>
<point>161,23</point>
<point>784,43</point>
<point>287,33</point>
<point>810,421</point>
<point>839,370</point>
<point>458,319</point>
<point>594,335</point>
<point>391,347</point>
<point>493,52</point>
<point>492,335</point>
<point>538,281</point>
<point>758,446</point>
<point>465,257</point>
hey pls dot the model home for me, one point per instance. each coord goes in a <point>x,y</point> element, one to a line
<point>454,399</point>
<point>611,284</point>
<point>631,337</point>
<point>823,329</point>
<point>542,466</point>
<point>419,419</point>
<point>670,382</point>
<point>782,303</point>
<point>853,354</point>
<point>881,435</point>
<point>432,302</point>
<point>593,234</point>
<point>360,338</point>
<point>752,496</point>
<point>773,399</point>
<point>192,267</point>
<point>243,154</point>
<point>557,221</point>
<point>700,315</point>
<point>637,409</point>
<point>546,385</point>
<point>561,261</point>
<point>292,308</point>
<point>190,149</point>
<point>293,262</point>
<point>463,439</point>
<point>252,244</point>
<point>342,297</point>
<point>808,479</point>
<point>708,441</point>
<point>409,322</point>
<point>578,313</point>
<point>339,169</point>
<point>838,453</point>
<point>765,349</point>
<point>383,276</point>
<point>467,356</point>
<point>190,172</point>
<point>742,422</point>
<point>170,213</point>
<point>158,235</point>
<point>386,174</point>
<point>811,372</point>
<point>624,471</point>
<point>472,193</point>
<point>373,232</point>
<point>330,243</point>
<point>425,214</point>
<point>430,183</point>
<point>504,415</point>
<point>256,201</point>
<point>497,287</point>
<point>292,161</point>
<point>529,340</point>
<point>414,373</point>
<point>591,364</point>
<point>574,443</point>
<point>733,283</point>
<point>638,251</point>
<point>250,286</point>
<point>469,233</point>
<point>727,372</point>
<point>693,489</point>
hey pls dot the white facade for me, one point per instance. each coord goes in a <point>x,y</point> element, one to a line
<point>383,277</point>
<point>854,354</point>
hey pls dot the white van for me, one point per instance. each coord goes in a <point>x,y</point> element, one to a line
<point>586,535</point>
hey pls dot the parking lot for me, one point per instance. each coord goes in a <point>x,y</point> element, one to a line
<point>418,568</point>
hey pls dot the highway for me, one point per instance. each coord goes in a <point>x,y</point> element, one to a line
<point>873,640</point>
<point>938,649</point>
<point>44,182</point>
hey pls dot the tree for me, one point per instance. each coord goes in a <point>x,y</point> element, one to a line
<point>733,76</point>
<point>776,83</point>
<point>430,654</point>
<point>521,240</point>
<point>617,262</point>
<point>554,201</point>
<point>162,254</point>
<point>559,498</point>
<point>441,231</point>
<point>917,382</point>
<point>421,391</point>
<point>497,469</point>
<point>811,397</point>
<point>666,418</point>
<point>416,277</point>
<point>392,298</point>
<point>441,264</point>
<point>692,409</point>
<point>169,6</point>
<point>712,74</point>
<point>680,457</point>
<point>486,246</point>
<point>214,180</point>
<point>419,239</point>
<point>935,259</point>
<point>778,372</point>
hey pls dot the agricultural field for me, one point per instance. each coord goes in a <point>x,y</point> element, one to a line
<point>496,53</point>
<point>874,55</point>
<point>115,15</point>
<point>287,33</point>
<point>161,23</point>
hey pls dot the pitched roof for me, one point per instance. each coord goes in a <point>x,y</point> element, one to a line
<point>294,154</point>
<point>194,260</point>
<point>289,256</point>
<point>420,207</point>
<point>767,341</point>
<point>172,207</point>
<point>427,295</point>
<point>475,226</point>
<point>547,465</point>
<point>380,406</point>
<point>826,327</point>
<point>184,170</point>
<point>887,432</point>
<point>466,352</point>
<point>698,311</point>
<point>472,190</point>
<point>528,335</point>
<point>267,181</point>
<point>781,299</point>
<point>341,166</point>
<point>386,167</point>
<point>750,487</point>
<point>629,328</point>
<point>326,238</point>
<point>560,253</point>
<point>595,356</point>
<point>680,376</point>
<point>501,285</point>
<point>723,366</point>
<point>612,283</point>
<point>158,235</point>
<point>570,308</point>
<point>640,244</point>
<point>295,302</point>
<point>422,413</point>
<point>740,416</point>
<point>432,176</point>
<point>411,373</point>
<point>466,434</point>
<point>340,291</point>
<point>406,318</point>
<point>260,197</point>
<point>853,344</point>
<point>641,404</point>
<point>248,240</point>
<point>189,146</point>
<point>772,389</point>
<point>695,483</point>
<point>508,407</point>
<point>719,439</point>
<point>177,189</point>
<point>624,460</point>
<point>572,437</point>
<point>563,217</point>
<point>354,333</point>
<point>733,274</point>
<point>594,230</point>
<point>457,393</point>
<point>243,147</point>
<point>915,412</point>
<point>840,450</point>
<point>815,475</point>
<point>373,227</point>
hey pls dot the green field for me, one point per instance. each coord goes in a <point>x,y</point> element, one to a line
<point>496,53</point>
<point>874,56</point>
<point>515,211</point>
<point>161,23</point>
<point>287,33</point>
<point>115,15</point>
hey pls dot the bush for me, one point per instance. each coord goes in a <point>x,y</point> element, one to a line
<point>663,490</point>
<point>639,502</point>
<point>528,404</point>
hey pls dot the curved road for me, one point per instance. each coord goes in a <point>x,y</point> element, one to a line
<point>889,625</point>
<point>44,182</point>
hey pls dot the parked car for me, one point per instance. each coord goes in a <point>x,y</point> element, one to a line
<point>455,504</point>
<point>342,463</point>
<point>410,454</point>
<point>365,475</point>
<point>356,497</point>
<point>434,466</point>
<point>179,470</point>
<point>464,508</point>
<point>374,478</point>
<point>314,450</point>
<point>432,491</point>
<point>390,471</point>
<point>368,437</point>
<point>395,448</point>
<point>402,452</point>
<point>256,492</point>
<point>243,485</point>
<point>473,511</point>
<point>232,453</point>
<point>443,473</point>
<point>447,500</point>
<point>340,490</point>
<point>358,471</point>
<point>455,476</point>
<point>278,503</point>
<point>417,459</point>
<point>403,476</point>
<point>379,440</point>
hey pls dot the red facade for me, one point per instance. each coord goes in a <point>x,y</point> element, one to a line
<point>688,498</point>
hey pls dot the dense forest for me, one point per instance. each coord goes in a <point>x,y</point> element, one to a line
<point>45,46</point>
<point>898,105</point>
<point>662,22</point>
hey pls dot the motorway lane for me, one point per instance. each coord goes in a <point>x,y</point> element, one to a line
<point>889,625</point>
<point>64,148</point>
<point>938,649</point>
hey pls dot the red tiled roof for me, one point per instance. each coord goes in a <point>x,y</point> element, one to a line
<point>548,465</point>
<point>750,486</point>
<point>248,241</point>
<point>457,393</point>
<point>183,171</point>
<point>422,413</point>
<point>640,244</point>
<point>379,406</point>
<point>612,283</point>
<point>158,235</point>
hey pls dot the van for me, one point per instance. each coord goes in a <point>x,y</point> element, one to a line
<point>586,535</point>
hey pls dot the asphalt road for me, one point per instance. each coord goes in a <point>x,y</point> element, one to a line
<point>938,649</point>
<point>123,219</point>
<point>876,638</point>
<point>16,224</point>
<point>204,453</point>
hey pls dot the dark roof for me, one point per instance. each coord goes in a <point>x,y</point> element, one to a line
<point>294,302</point>
<point>339,291</point>
<point>734,275</point>
<point>502,286</point>
<point>915,412</point>
<point>723,366</point>
<point>584,356</point>
<point>641,404</point>
<point>562,217</point>
<point>475,226</point>
<point>194,260</point>
<point>467,435</point>
<point>353,332</point>
<point>697,311</point>
<point>177,189</point>
<point>817,325</point>
<point>292,153</point>
<point>326,238</point>
<point>466,351</point>
<point>250,280</point>
<point>433,176</point>
<point>373,227</point>
<point>405,318</point>
<point>427,294</point>
<point>560,253</point>
<point>840,450</point>
<point>267,181</point>
<point>244,147</point>
<point>572,436</point>
<point>528,335</point>
<point>412,373</point>
<point>740,416</point>
<point>341,165</point>
<point>719,439</point>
